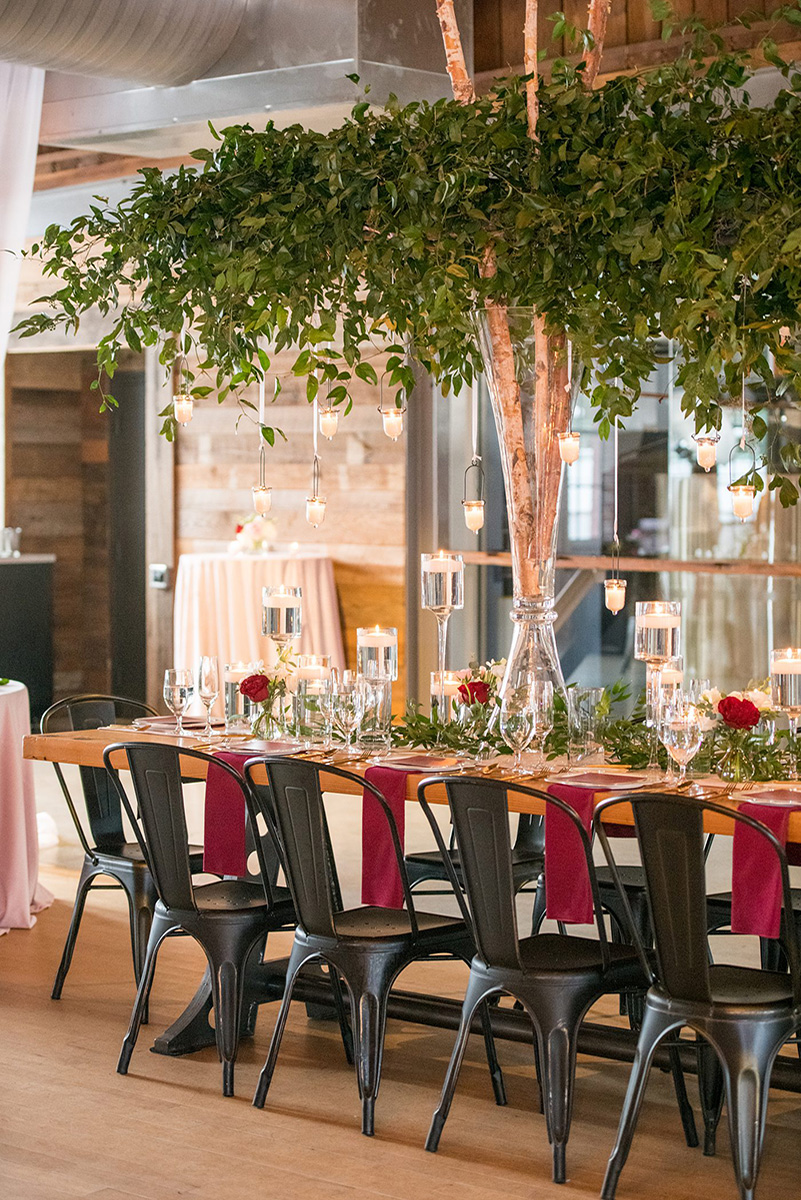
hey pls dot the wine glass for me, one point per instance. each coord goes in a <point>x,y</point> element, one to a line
<point>681,732</point>
<point>177,694</point>
<point>518,723</point>
<point>541,700</point>
<point>348,708</point>
<point>208,686</point>
<point>657,634</point>
<point>442,591</point>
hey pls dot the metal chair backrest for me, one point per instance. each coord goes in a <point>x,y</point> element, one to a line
<point>296,812</point>
<point>480,814</point>
<point>160,824</point>
<point>670,834</point>
<point>101,799</point>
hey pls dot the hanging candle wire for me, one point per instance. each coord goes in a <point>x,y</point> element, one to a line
<point>474,507</point>
<point>742,494</point>
<point>392,416</point>
<point>262,494</point>
<point>182,403</point>
<point>569,441</point>
<point>615,588</point>
<point>315,503</point>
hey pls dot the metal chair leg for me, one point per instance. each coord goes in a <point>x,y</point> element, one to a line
<point>680,1088</point>
<point>710,1091</point>
<point>297,959</point>
<point>557,1021</point>
<point>496,1074</point>
<point>475,996</point>
<point>342,1014</point>
<point>89,873</point>
<point>158,932</point>
<point>228,962</point>
<point>655,1026</point>
<point>369,983</point>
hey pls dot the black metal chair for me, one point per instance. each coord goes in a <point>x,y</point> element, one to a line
<point>555,976</point>
<point>230,919</point>
<point>744,1015</point>
<point>106,851</point>
<point>367,946</point>
<point>528,860</point>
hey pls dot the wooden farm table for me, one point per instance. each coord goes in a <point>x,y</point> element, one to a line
<point>265,980</point>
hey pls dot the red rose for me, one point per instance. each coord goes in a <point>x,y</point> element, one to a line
<point>474,692</point>
<point>239,528</point>
<point>738,714</point>
<point>256,688</point>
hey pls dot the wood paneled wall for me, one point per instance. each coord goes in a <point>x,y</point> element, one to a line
<point>363,479</point>
<point>57,492</point>
<point>498,29</point>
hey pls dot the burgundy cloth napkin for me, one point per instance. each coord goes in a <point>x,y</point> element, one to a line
<point>567,881</point>
<point>224,820</point>
<point>756,879</point>
<point>381,881</point>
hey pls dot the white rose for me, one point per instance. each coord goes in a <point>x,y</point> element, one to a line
<point>713,698</point>
<point>761,700</point>
<point>736,695</point>
<point>707,723</point>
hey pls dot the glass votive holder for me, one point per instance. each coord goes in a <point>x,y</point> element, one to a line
<point>375,735</point>
<point>377,652</point>
<point>281,613</point>
<point>452,684</point>
<point>314,712</point>
<point>238,708</point>
<point>313,666</point>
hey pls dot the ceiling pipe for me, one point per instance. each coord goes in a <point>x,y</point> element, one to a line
<point>143,41</point>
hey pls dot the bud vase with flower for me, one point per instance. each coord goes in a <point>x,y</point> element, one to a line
<point>739,717</point>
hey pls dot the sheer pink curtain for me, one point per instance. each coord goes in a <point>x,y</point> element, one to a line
<point>20,113</point>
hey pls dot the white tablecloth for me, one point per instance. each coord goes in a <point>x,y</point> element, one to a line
<point>218,606</point>
<point>21,895</point>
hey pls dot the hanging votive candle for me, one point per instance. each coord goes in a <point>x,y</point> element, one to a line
<point>392,421</point>
<point>315,510</point>
<point>474,509</point>
<point>329,422</point>
<point>706,450</point>
<point>742,494</point>
<point>569,446</point>
<point>262,499</point>
<point>183,407</point>
<point>377,652</point>
<point>615,594</point>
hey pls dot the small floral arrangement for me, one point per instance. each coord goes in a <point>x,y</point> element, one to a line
<point>266,689</point>
<point>255,534</point>
<point>480,684</point>
<point>737,749</point>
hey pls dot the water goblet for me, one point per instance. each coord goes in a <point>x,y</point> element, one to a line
<point>348,708</point>
<point>541,700</point>
<point>177,694</point>
<point>681,732</point>
<point>208,686</point>
<point>518,723</point>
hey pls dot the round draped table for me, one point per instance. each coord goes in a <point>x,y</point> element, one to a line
<point>218,606</point>
<point>21,895</point>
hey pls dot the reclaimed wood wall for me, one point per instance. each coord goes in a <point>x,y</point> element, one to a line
<point>498,29</point>
<point>363,478</point>
<point>57,492</point>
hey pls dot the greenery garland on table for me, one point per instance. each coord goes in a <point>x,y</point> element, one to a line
<point>636,213</point>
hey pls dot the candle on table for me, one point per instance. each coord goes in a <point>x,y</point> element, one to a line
<point>314,666</point>
<point>377,652</point>
<point>443,581</point>
<point>448,686</point>
<point>281,612</point>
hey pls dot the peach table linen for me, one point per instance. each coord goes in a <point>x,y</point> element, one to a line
<point>21,895</point>
<point>218,606</point>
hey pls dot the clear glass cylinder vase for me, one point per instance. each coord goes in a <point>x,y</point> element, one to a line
<point>526,374</point>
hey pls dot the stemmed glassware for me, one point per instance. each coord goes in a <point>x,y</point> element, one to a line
<point>681,732</point>
<point>348,708</point>
<point>657,634</point>
<point>177,694</point>
<point>518,723</point>
<point>208,686</point>
<point>785,687</point>
<point>442,588</point>
<point>542,707</point>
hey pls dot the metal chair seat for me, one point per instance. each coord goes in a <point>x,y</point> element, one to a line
<point>553,952</point>
<point>236,895</point>
<point>749,987</point>
<point>394,924</point>
<point>131,852</point>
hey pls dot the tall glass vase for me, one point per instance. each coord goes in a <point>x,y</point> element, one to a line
<point>526,374</point>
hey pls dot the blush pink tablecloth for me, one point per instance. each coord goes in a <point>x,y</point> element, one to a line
<point>21,895</point>
<point>218,607</point>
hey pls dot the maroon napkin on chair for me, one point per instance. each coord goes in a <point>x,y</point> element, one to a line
<point>224,821</point>
<point>756,881</point>
<point>381,881</point>
<point>567,881</point>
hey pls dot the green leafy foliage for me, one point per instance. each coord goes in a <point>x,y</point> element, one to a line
<point>637,212</point>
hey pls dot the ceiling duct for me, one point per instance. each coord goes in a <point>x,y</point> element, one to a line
<point>221,60</point>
